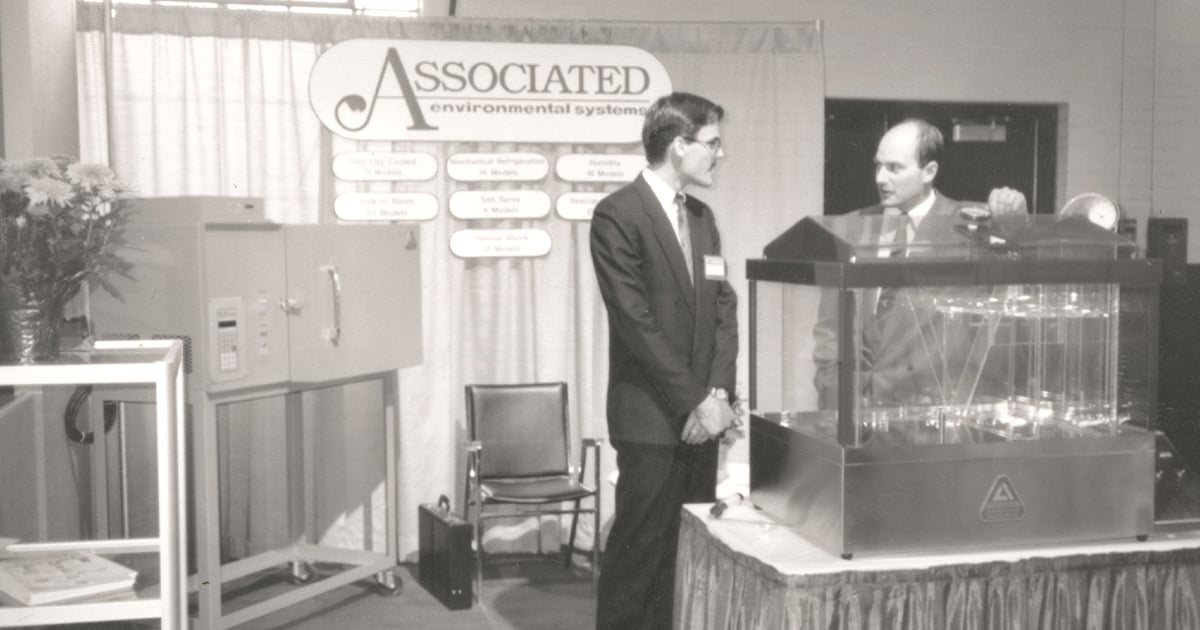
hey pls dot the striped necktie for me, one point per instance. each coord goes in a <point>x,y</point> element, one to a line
<point>888,295</point>
<point>685,235</point>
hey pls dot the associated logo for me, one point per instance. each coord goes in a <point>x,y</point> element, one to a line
<point>1002,502</point>
<point>379,89</point>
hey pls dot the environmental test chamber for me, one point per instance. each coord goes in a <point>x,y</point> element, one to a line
<point>293,337</point>
<point>984,382</point>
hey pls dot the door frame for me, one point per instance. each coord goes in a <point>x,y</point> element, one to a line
<point>1049,119</point>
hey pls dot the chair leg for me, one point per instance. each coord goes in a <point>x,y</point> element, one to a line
<point>596,542</point>
<point>538,518</point>
<point>479,553</point>
<point>571,540</point>
<point>466,504</point>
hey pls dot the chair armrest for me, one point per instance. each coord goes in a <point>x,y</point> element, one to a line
<point>473,450</point>
<point>592,444</point>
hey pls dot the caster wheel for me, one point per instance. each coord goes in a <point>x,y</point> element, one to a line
<point>388,584</point>
<point>301,573</point>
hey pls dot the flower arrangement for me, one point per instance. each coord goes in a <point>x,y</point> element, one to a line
<point>60,226</point>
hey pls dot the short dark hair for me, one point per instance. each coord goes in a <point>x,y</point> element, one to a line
<point>930,143</point>
<point>676,114</point>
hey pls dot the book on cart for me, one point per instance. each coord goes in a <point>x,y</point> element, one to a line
<point>32,579</point>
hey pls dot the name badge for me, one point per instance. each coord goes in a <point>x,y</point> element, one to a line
<point>714,267</point>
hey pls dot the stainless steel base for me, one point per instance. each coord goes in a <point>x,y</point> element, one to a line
<point>969,488</point>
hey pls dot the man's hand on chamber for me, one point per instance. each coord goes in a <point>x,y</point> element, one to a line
<point>1007,201</point>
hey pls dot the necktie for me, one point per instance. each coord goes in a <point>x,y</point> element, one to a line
<point>887,295</point>
<point>685,235</point>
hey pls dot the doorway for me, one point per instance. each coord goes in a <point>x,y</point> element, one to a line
<point>988,145</point>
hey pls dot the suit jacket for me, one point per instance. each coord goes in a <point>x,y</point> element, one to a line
<point>904,357</point>
<point>669,341</point>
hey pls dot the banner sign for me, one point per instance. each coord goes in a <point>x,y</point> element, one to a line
<point>397,89</point>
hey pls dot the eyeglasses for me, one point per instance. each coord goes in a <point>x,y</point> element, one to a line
<point>713,145</point>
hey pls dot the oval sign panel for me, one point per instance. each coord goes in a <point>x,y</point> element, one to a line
<point>433,90</point>
<point>500,243</point>
<point>578,206</point>
<point>372,166</point>
<point>497,167</point>
<point>385,206</point>
<point>499,204</point>
<point>591,167</point>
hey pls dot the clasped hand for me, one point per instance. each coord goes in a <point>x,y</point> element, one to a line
<point>708,420</point>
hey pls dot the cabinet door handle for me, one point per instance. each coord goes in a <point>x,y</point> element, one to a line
<point>332,333</point>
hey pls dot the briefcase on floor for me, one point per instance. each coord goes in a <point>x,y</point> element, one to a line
<point>444,566</point>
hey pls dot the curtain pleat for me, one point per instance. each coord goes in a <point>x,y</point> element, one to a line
<point>1127,591</point>
<point>214,102</point>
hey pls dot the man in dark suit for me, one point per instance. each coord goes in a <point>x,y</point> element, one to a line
<point>904,356</point>
<point>672,354</point>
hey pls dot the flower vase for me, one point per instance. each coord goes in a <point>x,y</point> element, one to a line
<point>29,329</point>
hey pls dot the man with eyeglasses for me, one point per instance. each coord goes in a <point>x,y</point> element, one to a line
<point>672,354</point>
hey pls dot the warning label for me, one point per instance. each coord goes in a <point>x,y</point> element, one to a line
<point>1002,502</point>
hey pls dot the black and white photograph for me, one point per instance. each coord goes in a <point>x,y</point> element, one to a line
<point>583,315</point>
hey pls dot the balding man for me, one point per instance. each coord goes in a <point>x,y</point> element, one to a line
<point>902,355</point>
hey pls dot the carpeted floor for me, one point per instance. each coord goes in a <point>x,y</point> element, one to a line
<point>532,594</point>
<point>525,592</point>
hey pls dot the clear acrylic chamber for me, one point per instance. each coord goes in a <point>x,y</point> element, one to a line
<point>971,383</point>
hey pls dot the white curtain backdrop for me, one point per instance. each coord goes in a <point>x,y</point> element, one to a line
<point>209,102</point>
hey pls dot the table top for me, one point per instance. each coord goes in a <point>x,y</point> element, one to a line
<point>749,531</point>
<point>140,361</point>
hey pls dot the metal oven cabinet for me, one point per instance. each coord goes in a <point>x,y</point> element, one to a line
<point>979,383</point>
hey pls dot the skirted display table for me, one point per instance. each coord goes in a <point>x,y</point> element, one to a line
<point>746,571</point>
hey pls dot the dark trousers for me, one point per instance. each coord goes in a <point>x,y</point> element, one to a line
<point>637,576</point>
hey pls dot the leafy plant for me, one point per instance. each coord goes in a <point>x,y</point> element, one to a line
<point>61,223</point>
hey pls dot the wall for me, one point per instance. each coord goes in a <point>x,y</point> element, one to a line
<point>1176,115</point>
<point>39,97</point>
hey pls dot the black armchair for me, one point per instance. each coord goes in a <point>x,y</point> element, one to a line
<point>519,455</point>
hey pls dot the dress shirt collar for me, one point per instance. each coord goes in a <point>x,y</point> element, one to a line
<point>915,215</point>
<point>918,211</point>
<point>665,195</point>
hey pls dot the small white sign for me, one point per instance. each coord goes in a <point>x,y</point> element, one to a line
<point>372,166</point>
<point>578,206</point>
<point>497,167</point>
<point>599,167</point>
<point>529,243</point>
<point>714,267</point>
<point>499,204</point>
<point>385,206</point>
